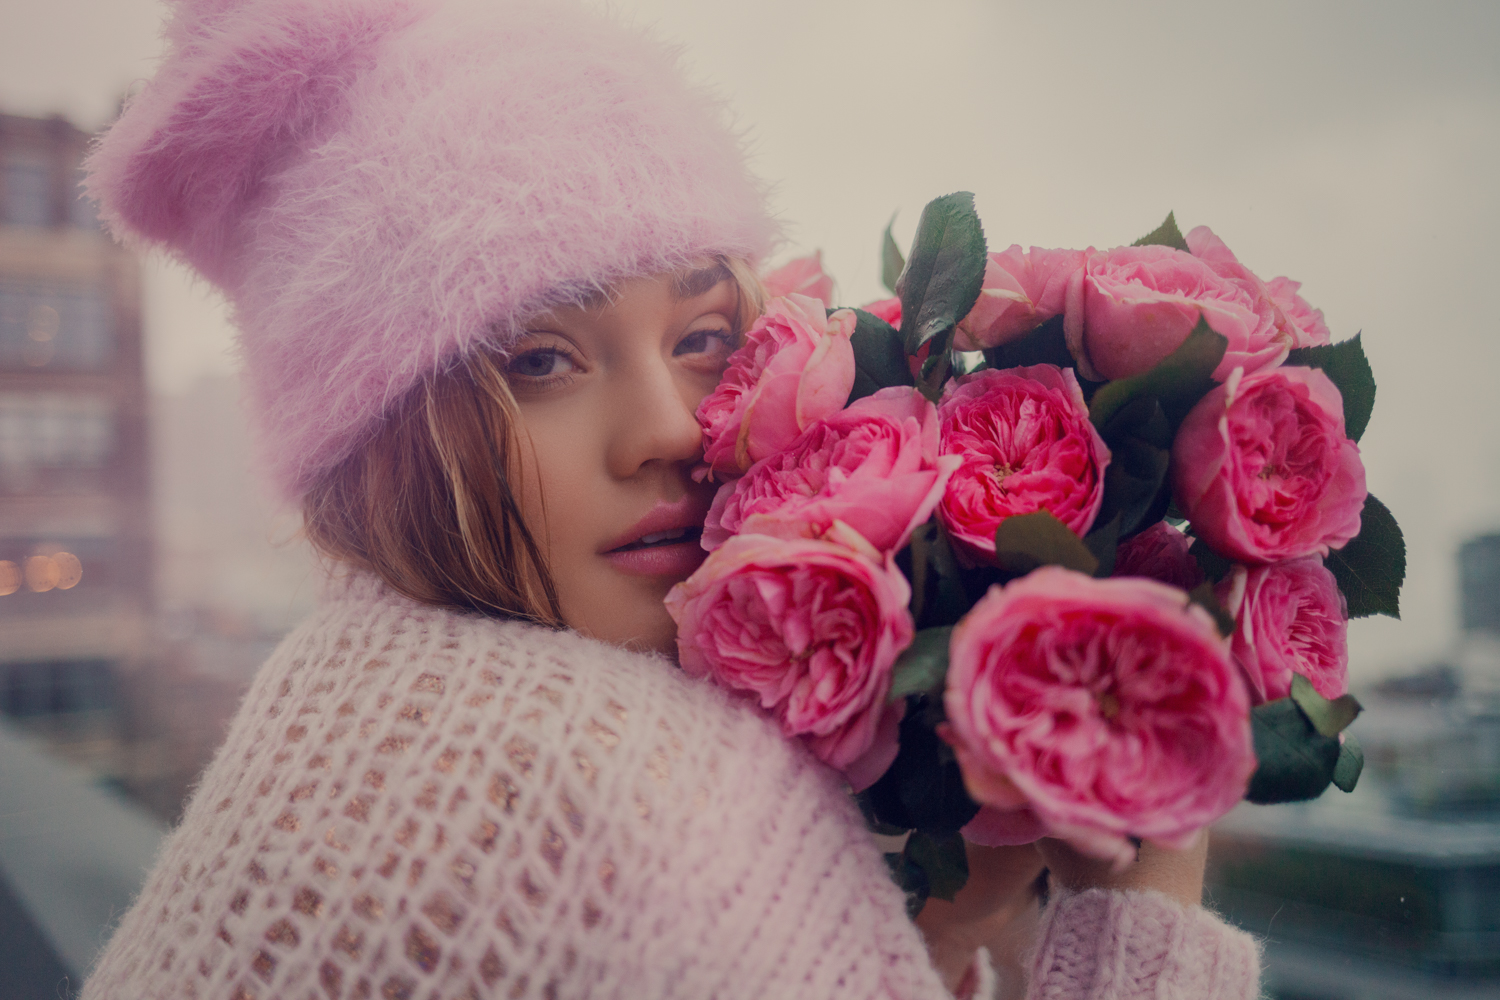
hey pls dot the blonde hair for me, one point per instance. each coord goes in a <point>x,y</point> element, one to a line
<point>427,502</point>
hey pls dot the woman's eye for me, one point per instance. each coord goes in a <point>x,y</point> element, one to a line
<point>710,341</point>
<point>542,363</point>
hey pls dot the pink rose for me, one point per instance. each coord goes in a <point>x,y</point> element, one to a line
<point>1159,553</point>
<point>1290,620</point>
<point>1022,290</point>
<point>803,276</point>
<point>1132,306</point>
<point>875,466</point>
<point>796,367</point>
<point>1308,328</point>
<point>1108,708</point>
<point>1027,444</point>
<point>810,627</point>
<point>1263,469</point>
<point>886,309</point>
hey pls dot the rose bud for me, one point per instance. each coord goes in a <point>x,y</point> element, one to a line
<point>1110,709</point>
<point>1263,470</point>
<point>1027,445</point>
<point>1022,290</point>
<point>1159,553</point>
<point>811,628</point>
<point>796,367</point>
<point>1290,618</point>
<point>803,276</point>
<point>875,466</point>
<point>1132,306</point>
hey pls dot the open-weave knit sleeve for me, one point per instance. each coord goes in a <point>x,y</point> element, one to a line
<point>417,804</point>
<point>1109,945</point>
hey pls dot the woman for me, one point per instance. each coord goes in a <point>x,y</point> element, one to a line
<point>485,260</point>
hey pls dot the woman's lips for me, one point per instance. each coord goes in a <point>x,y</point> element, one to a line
<point>677,559</point>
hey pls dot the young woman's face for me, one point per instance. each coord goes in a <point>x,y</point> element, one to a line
<point>607,396</point>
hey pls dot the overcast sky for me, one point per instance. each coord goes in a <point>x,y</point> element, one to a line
<point>1352,146</point>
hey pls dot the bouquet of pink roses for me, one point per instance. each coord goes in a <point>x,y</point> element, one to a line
<point>1053,543</point>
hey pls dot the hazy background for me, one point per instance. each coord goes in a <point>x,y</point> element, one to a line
<point>1352,146</point>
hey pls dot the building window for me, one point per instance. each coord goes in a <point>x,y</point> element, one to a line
<point>27,183</point>
<point>55,429</point>
<point>49,326</point>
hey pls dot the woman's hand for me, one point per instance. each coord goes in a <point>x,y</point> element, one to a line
<point>984,912</point>
<point>1178,874</point>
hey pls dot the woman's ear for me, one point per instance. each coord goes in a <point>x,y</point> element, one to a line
<point>240,85</point>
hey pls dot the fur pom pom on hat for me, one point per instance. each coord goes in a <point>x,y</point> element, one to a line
<point>377,185</point>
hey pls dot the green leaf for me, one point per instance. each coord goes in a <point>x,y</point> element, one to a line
<point>1328,717</point>
<point>879,359</point>
<point>937,595</point>
<point>1296,761</point>
<point>1351,764</point>
<point>1166,235</point>
<point>1372,567</point>
<point>1103,544</point>
<point>1347,368</point>
<point>1214,566</point>
<point>942,858</point>
<point>1179,380</point>
<point>945,271</point>
<point>923,788</point>
<point>923,666</point>
<point>1203,596</point>
<point>1026,541</point>
<point>1045,345</point>
<point>892,263</point>
<point>936,368</point>
<point>1140,444</point>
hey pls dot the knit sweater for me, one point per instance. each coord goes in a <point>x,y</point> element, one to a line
<point>415,803</point>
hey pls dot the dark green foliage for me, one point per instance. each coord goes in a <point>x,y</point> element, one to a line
<point>943,275</point>
<point>942,858</point>
<point>923,789</point>
<point>1043,346</point>
<point>1372,567</point>
<point>1351,764</point>
<point>892,263</point>
<point>1328,717</point>
<point>1214,566</point>
<point>922,667</point>
<point>1347,368</point>
<point>1297,744</point>
<point>1135,483</point>
<point>1167,235</point>
<point>1026,541</point>
<point>1296,761</point>
<point>879,358</point>
<point>1179,380</point>
<point>938,596</point>
<point>1203,596</point>
<point>1103,544</point>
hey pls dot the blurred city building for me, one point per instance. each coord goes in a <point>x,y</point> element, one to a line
<point>76,556</point>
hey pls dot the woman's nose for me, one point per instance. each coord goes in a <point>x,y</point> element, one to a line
<point>654,419</point>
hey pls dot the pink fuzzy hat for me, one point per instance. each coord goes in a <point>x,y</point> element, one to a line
<point>377,185</point>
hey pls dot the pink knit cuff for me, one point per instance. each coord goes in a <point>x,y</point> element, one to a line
<point>1106,945</point>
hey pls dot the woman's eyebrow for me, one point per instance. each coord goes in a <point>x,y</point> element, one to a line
<point>691,284</point>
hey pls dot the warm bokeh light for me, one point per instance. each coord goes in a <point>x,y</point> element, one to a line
<point>42,574</point>
<point>69,570</point>
<point>42,323</point>
<point>10,578</point>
